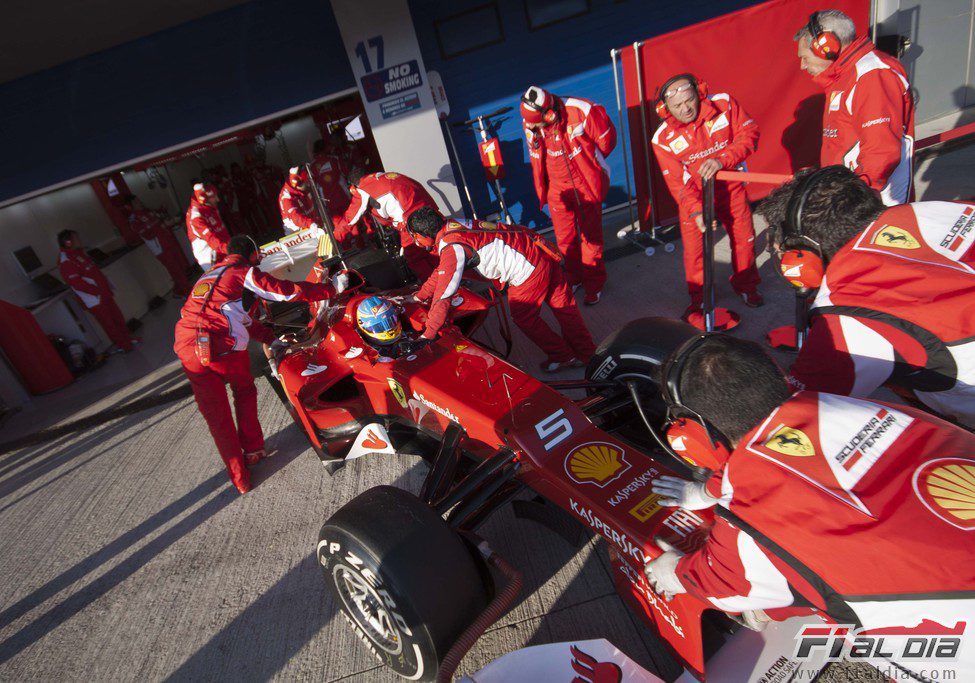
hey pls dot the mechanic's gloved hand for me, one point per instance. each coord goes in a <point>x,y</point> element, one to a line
<point>340,282</point>
<point>662,572</point>
<point>755,619</point>
<point>677,492</point>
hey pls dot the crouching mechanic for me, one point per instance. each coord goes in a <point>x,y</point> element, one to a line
<point>211,342</point>
<point>391,198</point>
<point>700,135</point>
<point>863,511</point>
<point>896,289</point>
<point>568,142</point>
<point>508,255</point>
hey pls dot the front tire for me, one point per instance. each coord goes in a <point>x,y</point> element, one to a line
<point>406,581</point>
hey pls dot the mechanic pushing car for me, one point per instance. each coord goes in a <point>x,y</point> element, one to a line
<point>568,142</point>
<point>896,289</point>
<point>700,135</point>
<point>160,241</point>
<point>512,256</point>
<point>868,118</point>
<point>93,289</point>
<point>211,342</point>
<point>391,198</point>
<point>204,227</point>
<point>862,510</point>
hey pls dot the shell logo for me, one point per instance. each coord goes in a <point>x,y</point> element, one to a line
<point>597,463</point>
<point>200,290</point>
<point>946,486</point>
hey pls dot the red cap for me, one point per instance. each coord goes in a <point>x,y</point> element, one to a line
<point>534,103</point>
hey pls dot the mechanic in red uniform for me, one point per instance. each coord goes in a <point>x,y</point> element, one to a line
<point>568,142</point>
<point>204,227</point>
<point>897,303</point>
<point>862,510</point>
<point>211,342</point>
<point>390,198</point>
<point>326,169</point>
<point>700,135</point>
<point>868,120</point>
<point>296,202</point>
<point>94,290</point>
<point>508,255</point>
<point>160,241</point>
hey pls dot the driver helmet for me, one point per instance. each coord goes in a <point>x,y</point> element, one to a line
<point>378,320</point>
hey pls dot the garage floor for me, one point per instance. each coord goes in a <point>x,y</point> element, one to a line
<point>127,555</point>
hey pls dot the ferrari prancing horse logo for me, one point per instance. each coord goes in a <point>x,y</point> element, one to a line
<point>790,441</point>
<point>397,389</point>
<point>898,238</point>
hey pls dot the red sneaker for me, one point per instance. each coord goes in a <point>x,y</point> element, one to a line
<point>592,299</point>
<point>254,457</point>
<point>753,299</point>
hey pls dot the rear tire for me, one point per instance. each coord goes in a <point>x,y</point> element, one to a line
<point>405,580</point>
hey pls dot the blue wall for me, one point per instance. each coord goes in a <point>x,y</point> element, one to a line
<point>569,58</point>
<point>186,82</point>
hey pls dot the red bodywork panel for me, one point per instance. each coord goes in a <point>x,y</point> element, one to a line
<point>601,481</point>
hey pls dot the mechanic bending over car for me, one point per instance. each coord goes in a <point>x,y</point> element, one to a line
<point>211,342</point>
<point>508,255</point>
<point>862,510</point>
<point>896,289</point>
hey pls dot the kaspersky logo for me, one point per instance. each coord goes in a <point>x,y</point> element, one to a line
<point>946,486</point>
<point>790,441</point>
<point>898,238</point>
<point>597,463</point>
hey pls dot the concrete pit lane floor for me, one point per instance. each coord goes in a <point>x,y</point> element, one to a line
<point>127,555</point>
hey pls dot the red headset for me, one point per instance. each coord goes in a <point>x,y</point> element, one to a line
<point>691,437</point>
<point>702,91</point>
<point>539,106</point>
<point>801,262</point>
<point>825,44</point>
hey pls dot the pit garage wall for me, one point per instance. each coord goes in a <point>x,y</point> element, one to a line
<point>187,82</point>
<point>570,57</point>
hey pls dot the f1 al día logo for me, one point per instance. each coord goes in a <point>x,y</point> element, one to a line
<point>929,641</point>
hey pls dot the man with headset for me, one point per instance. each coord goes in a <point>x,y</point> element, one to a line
<point>857,510</point>
<point>896,289</point>
<point>868,116</point>
<point>699,135</point>
<point>568,142</point>
<point>211,343</point>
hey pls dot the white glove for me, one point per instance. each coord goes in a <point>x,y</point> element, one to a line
<point>340,282</point>
<point>755,619</point>
<point>662,572</point>
<point>677,492</point>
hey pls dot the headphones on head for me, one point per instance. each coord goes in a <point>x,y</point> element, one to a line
<point>801,262</point>
<point>690,436</point>
<point>546,109</point>
<point>825,44</point>
<point>702,91</point>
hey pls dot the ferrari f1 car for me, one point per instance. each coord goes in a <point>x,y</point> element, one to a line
<point>409,572</point>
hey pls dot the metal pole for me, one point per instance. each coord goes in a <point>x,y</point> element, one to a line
<point>482,129</point>
<point>873,21</point>
<point>707,215</point>
<point>626,147</point>
<point>643,137</point>
<point>460,168</point>
<point>323,215</point>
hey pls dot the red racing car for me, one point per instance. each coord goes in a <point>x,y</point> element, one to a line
<point>409,572</point>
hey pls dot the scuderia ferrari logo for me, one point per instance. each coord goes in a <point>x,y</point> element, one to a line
<point>898,238</point>
<point>398,393</point>
<point>790,441</point>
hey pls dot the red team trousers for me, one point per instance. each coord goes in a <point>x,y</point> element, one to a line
<point>109,316</point>
<point>209,389</point>
<point>547,286</point>
<point>578,228</point>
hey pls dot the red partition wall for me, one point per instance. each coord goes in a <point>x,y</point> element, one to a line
<point>751,55</point>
